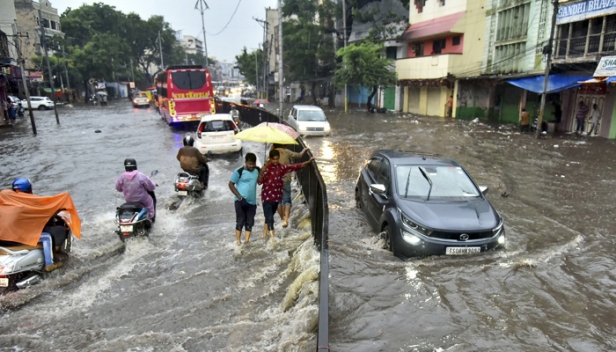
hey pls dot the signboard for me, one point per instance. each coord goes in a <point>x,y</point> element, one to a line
<point>35,76</point>
<point>579,11</point>
<point>606,67</point>
<point>100,85</point>
<point>132,85</point>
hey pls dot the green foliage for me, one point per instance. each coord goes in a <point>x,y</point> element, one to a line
<point>249,66</point>
<point>363,65</point>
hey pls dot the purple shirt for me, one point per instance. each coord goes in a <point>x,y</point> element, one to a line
<point>582,111</point>
<point>135,186</point>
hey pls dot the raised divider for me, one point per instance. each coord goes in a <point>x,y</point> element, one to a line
<point>315,193</point>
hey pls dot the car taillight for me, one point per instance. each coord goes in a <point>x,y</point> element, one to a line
<point>199,134</point>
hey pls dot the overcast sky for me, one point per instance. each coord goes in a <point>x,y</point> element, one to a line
<point>181,14</point>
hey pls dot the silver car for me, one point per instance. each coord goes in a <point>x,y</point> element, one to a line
<point>309,120</point>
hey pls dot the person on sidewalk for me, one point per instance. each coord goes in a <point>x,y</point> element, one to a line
<point>285,158</point>
<point>595,114</point>
<point>243,184</point>
<point>271,177</point>
<point>449,105</point>
<point>524,121</point>
<point>581,116</point>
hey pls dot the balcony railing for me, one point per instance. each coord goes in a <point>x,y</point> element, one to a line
<point>586,46</point>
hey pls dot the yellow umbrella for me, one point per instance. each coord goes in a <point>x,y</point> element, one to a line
<point>265,134</point>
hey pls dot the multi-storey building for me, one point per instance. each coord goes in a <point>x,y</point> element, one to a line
<point>28,22</point>
<point>192,45</point>
<point>445,46</point>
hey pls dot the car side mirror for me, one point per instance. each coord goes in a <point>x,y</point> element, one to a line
<point>483,189</point>
<point>378,189</point>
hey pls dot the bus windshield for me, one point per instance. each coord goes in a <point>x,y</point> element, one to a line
<point>187,80</point>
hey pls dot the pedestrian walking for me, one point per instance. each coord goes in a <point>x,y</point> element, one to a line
<point>243,184</point>
<point>285,158</point>
<point>271,177</point>
<point>449,105</point>
<point>11,112</point>
<point>524,121</point>
<point>595,114</point>
<point>581,116</point>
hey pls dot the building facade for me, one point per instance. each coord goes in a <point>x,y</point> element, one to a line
<point>444,46</point>
<point>192,45</point>
<point>28,23</point>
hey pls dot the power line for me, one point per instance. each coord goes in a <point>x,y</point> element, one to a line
<point>230,19</point>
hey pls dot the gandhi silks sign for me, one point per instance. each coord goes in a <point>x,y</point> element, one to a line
<point>606,67</point>
<point>578,11</point>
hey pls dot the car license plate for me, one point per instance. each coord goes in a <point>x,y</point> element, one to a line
<point>4,282</point>
<point>182,193</point>
<point>126,228</point>
<point>462,250</point>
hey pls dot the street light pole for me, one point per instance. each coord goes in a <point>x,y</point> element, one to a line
<point>53,91</point>
<point>23,77</point>
<point>547,70</point>
<point>200,4</point>
<point>257,73</point>
<point>68,84</point>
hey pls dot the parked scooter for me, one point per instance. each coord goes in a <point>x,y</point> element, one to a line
<point>133,218</point>
<point>187,184</point>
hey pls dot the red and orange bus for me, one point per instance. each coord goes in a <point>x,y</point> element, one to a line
<point>185,94</point>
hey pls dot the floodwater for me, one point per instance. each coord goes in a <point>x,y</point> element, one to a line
<point>553,289</point>
<point>189,288</point>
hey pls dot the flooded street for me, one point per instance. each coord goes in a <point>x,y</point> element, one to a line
<point>187,286</point>
<point>553,289</point>
<point>190,288</point>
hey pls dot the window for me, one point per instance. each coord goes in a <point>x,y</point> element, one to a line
<point>456,40</point>
<point>513,22</point>
<point>188,79</point>
<point>418,49</point>
<point>391,52</point>
<point>217,126</point>
<point>311,115</point>
<point>374,166</point>
<point>384,174</point>
<point>438,46</point>
<point>162,78</point>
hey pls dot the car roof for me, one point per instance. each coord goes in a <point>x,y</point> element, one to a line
<point>306,107</point>
<point>216,117</point>
<point>415,157</point>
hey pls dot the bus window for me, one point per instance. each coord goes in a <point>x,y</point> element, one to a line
<point>188,79</point>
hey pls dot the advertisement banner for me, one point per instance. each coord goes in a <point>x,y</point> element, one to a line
<point>35,76</point>
<point>606,67</point>
<point>578,11</point>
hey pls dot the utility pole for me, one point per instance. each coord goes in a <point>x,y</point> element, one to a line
<point>264,25</point>
<point>53,91</point>
<point>257,74</point>
<point>132,73</point>
<point>23,77</point>
<point>344,31</point>
<point>200,4</point>
<point>548,63</point>
<point>160,48</point>
<point>280,70</point>
<point>68,84</point>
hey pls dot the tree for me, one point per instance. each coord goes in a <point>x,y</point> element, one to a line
<point>362,65</point>
<point>248,65</point>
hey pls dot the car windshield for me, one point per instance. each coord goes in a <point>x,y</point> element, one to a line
<point>448,182</point>
<point>216,126</point>
<point>311,115</point>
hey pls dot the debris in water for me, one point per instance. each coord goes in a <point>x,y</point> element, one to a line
<point>97,131</point>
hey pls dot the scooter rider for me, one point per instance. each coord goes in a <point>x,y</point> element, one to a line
<point>137,187</point>
<point>193,162</point>
<point>235,115</point>
<point>22,185</point>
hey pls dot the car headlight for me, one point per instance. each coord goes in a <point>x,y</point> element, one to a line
<point>7,269</point>
<point>410,238</point>
<point>501,239</point>
<point>327,128</point>
<point>412,227</point>
<point>302,128</point>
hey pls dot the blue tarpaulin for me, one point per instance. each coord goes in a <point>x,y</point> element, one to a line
<point>611,80</point>
<point>556,83</point>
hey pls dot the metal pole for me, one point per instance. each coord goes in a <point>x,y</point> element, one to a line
<point>23,78</point>
<point>53,91</point>
<point>257,73</point>
<point>132,73</point>
<point>201,3</point>
<point>160,48</point>
<point>68,83</point>
<point>280,62</point>
<point>346,100</point>
<point>265,80</point>
<point>547,69</point>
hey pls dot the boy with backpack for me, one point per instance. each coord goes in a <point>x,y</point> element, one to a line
<point>243,184</point>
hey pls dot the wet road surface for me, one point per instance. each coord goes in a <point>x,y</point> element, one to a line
<point>187,287</point>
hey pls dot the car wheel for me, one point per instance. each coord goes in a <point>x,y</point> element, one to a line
<point>42,107</point>
<point>389,241</point>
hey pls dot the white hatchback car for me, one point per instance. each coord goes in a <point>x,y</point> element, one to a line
<point>309,120</point>
<point>215,135</point>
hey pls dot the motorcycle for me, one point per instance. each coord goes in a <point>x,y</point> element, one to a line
<point>22,266</point>
<point>187,184</point>
<point>133,218</point>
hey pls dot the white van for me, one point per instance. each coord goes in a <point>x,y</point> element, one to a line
<point>309,120</point>
<point>215,135</point>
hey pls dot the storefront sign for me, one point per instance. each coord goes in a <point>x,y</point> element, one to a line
<point>582,10</point>
<point>606,67</point>
<point>35,76</point>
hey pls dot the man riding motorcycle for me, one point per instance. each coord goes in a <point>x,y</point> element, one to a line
<point>137,187</point>
<point>193,162</point>
<point>235,115</point>
<point>22,185</point>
